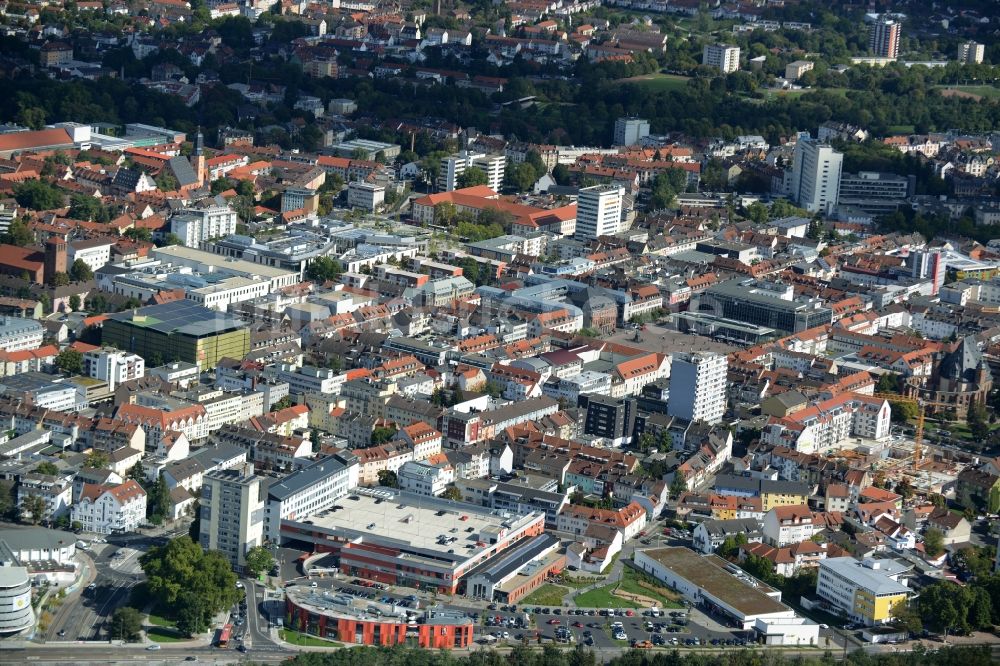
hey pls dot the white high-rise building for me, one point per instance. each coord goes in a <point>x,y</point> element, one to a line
<point>698,386</point>
<point>599,211</point>
<point>630,131</point>
<point>232,512</point>
<point>816,175</point>
<point>113,366</point>
<point>971,52</point>
<point>453,166</point>
<point>721,56</point>
<point>198,224</point>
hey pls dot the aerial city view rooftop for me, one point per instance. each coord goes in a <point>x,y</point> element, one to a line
<point>510,333</point>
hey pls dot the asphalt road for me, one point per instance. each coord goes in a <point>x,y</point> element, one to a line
<point>86,613</point>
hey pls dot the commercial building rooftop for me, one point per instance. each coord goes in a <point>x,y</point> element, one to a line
<point>424,523</point>
<point>709,573</point>
<point>182,316</point>
<point>870,574</point>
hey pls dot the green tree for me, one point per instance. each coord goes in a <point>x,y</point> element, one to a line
<point>388,478</point>
<point>82,207</point>
<point>74,303</point>
<point>757,212</point>
<point>730,548</point>
<point>452,493</point>
<point>158,501</point>
<point>259,559</point>
<point>38,195</point>
<point>678,485</point>
<point>324,269</point>
<point>59,279</point>
<point>561,174</point>
<point>96,460</point>
<point>18,234</point>
<point>126,624</point>
<point>903,411</point>
<point>33,508</point>
<point>522,177</point>
<point>907,617</point>
<point>471,177</point>
<point>80,271</point>
<point>48,468</point>
<point>139,234</point>
<point>889,382</point>
<point>193,583</point>
<point>382,434</point>
<point>136,472</point>
<point>171,239</point>
<point>70,361</point>
<point>284,403</point>
<point>933,542</point>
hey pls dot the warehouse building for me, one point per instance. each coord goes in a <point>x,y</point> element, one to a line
<point>721,588</point>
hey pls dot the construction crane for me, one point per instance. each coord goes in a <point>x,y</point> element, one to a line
<point>918,435</point>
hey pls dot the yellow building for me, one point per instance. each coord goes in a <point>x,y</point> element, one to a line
<point>178,331</point>
<point>864,590</point>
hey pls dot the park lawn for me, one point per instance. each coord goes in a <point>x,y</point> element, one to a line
<point>659,82</point>
<point>601,597</point>
<point>630,583</point>
<point>165,635</point>
<point>160,621</point>
<point>547,595</point>
<point>991,92</point>
<point>298,638</point>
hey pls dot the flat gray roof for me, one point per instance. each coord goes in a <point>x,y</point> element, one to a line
<point>708,574</point>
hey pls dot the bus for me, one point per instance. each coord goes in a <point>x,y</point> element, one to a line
<point>225,634</point>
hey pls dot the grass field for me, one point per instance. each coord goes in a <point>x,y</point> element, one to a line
<point>297,638</point>
<point>160,621</point>
<point>601,597</point>
<point>547,595</point>
<point>164,635</point>
<point>989,92</point>
<point>630,583</point>
<point>776,94</point>
<point>659,82</point>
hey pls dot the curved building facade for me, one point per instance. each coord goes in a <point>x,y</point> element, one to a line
<point>16,614</point>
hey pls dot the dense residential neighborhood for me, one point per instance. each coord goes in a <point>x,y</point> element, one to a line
<point>613,324</point>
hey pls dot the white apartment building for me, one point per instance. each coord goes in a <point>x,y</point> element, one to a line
<point>721,56</point>
<point>971,52</point>
<point>95,252</point>
<point>816,171</point>
<point>55,491</point>
<point>232,512</point>
<point>113,366</point>
<point>698,386</point>
<point>196,225</point>
<point>18,334</point>
<point>223,408</point>
<point>787,525</point>
<point>310,379</point>
<point>366,196</point>
<point>455,165</point>
<point>308,491</point>
<point>111,509</point>
<point>423,478</point>
<point>630,131</point>
<point>599,211</point>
